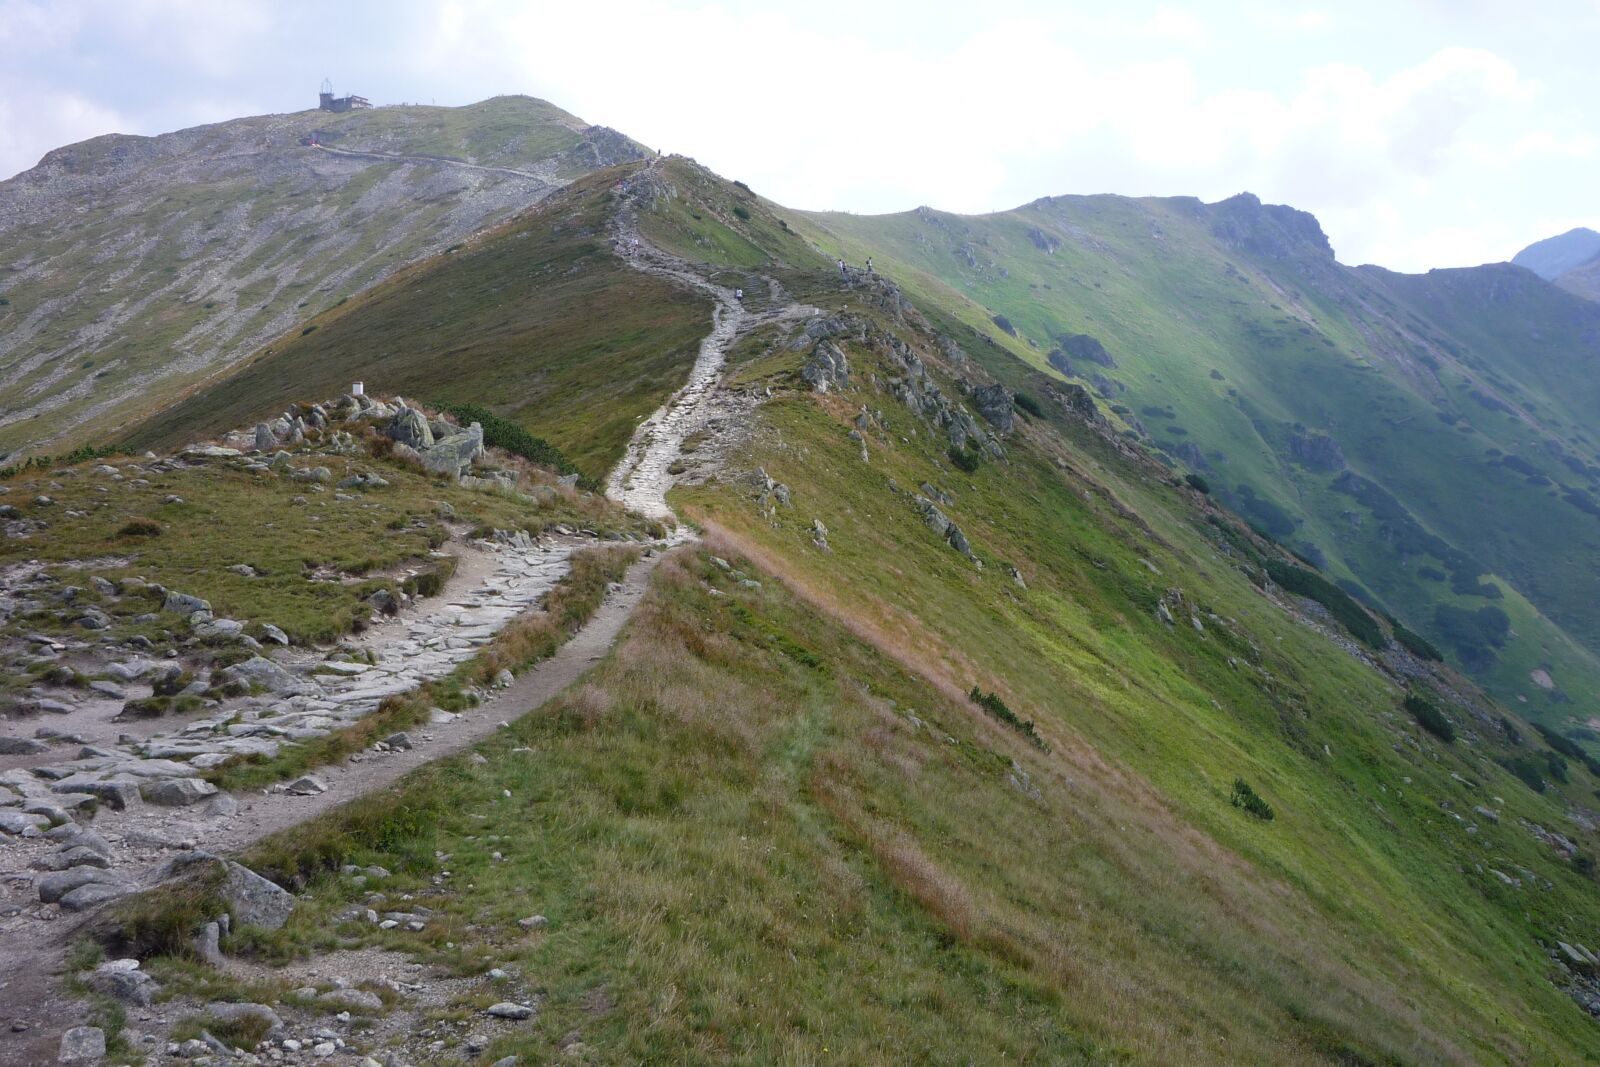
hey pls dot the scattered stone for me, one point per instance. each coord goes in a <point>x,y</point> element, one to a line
<point>508,1010</point>
<point>307,785</point>
<point>265,674</point>
<point>53,887</point>
<point>184,604</point>
<point>82,1044</point>
<point>255,901</point>
<point>177,792</point>
<point>94,893</point>
<point>122,980</point>
<point>533,922</point>
<point>208,944</point>
<point>21,746</point>
<point>16,822</point>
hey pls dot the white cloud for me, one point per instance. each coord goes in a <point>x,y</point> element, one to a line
<point>1400,143</point>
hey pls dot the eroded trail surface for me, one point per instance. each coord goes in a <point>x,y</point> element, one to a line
<point>641,480</point>
<point>141,839</point>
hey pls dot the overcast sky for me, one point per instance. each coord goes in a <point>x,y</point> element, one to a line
<point>1422,134</point>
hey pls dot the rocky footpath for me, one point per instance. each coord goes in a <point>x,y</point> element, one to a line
<point>105,751</point>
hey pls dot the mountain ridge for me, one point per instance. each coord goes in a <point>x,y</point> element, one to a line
<point>141,264</point>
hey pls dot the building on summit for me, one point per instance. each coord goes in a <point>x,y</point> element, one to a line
<point>328,102</point>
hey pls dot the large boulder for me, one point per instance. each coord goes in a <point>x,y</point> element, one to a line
<point>253,900</point>
<point>454,455</point>
<point>82,1044</point>
<point>260,672</point>
<point>183,603</point>
<point>827,368</point>
<point>177,792</point>
<point>122,980</point>
<point>995,404</point>
<point>410,427</point>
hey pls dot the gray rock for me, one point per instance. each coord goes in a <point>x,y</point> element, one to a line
<point>21,746</point>
<point>995,404</point>
<point>177,792</point>
<point>307,785</point>
<point>400,740</point>
<point>184,604</point>
<point>533,922</point>
<point>82,1044</point>
<point>222,805</point>
<point>454,455</point>
<point>52,887</point>
<point>16,822</point>
<point>504,678</point>
<point>93,893</point>
<point>265,674</point>
<point>507,1010</point>
<point>272,635</point>
<point>410,427</point>
<point>253,900</point>
<point>115,794</point>
<point>127,984</point>
<point>827,368</point>
<point>69,857</point>
<point>265,440</point>
<point>208,944</point>
<point>219,628</point>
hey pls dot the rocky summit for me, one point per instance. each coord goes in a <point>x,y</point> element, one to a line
<point>617,619</point>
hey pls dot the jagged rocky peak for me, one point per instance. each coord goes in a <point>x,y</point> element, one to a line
<point>1275,231</point>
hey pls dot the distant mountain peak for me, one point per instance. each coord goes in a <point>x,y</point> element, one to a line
<point>1554,256</point>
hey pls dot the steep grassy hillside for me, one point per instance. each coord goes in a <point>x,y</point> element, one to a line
<point>537,320</point>
<point>1082,781</point>
<point>138,265</point>
<point>1413,435</point>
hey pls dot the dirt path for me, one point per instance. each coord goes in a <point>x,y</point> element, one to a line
<point>34,995</point>
<point>396,157</point>
<point>641,480</point>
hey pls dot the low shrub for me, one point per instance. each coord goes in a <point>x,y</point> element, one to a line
<point>503,433</point>
<point>740,213</point>
<point>1416,644</point>
<point>1351,615</point>
<point>991,703</point>
<point>1528,770</point>
<point>1197,483</point>
<point>1252,802</point>
<point>966,459</point>
<point>1429,717</point>
<point>139,526</point>
<point>1029,404</point>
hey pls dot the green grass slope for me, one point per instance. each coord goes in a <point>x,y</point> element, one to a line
<point>845,794</point>
<point>537,320</point>
<point>1233,345</point>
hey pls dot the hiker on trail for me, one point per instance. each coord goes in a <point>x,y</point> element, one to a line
<point>738,294</point>
<point>869,264</point>
<point>841,265</point>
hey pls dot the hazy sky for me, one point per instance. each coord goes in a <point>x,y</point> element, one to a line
<point>1422,134</point>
